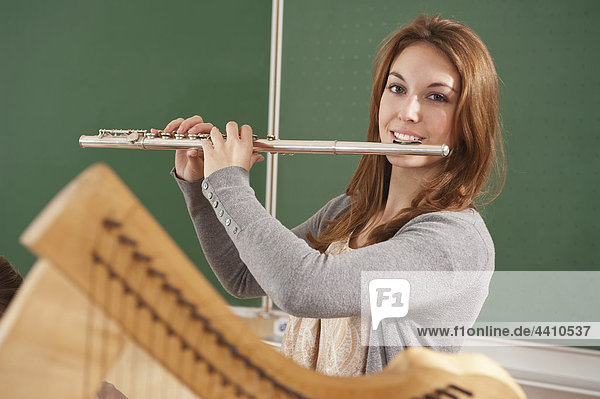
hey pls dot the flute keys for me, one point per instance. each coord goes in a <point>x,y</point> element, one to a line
<point>150,135</point>
<point>179,136</point>
<point>192,136</point>
<point>166,135</point>
<point>133,136</point>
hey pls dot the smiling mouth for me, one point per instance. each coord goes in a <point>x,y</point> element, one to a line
<point>406,137</point>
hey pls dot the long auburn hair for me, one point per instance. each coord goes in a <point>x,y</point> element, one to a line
<point>476,148</point>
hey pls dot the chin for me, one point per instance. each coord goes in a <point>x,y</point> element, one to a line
<point>411,161</point>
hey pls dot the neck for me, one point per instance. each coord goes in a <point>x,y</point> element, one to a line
<point>405,183</point>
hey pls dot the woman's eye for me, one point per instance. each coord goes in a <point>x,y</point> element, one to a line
<point>396,89</point>
<point>438,97</point>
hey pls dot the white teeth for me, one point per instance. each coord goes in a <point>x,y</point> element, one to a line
<point>406,137</point>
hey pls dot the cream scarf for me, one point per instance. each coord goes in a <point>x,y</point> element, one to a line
<point>329,346</point>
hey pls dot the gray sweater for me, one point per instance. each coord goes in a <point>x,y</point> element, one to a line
<point>253,254</point>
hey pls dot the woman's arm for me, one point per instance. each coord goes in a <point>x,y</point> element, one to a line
<point>220,251</point>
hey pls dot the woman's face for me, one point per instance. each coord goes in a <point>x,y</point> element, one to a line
<point>419,101</point>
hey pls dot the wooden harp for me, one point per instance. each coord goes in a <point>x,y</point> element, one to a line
<point>100,251</point>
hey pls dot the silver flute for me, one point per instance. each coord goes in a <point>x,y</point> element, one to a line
<point>143,139</point>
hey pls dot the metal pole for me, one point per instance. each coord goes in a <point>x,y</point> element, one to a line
<point>274,100</point>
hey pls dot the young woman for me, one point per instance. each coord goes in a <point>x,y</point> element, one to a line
<point>435,82</point>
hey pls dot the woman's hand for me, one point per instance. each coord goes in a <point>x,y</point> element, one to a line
<point>189,164</point>
<point>237,150</point>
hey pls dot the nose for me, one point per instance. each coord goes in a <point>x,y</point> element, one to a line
<point>410,110</point>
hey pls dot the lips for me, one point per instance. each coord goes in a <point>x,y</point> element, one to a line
<point>404,135</point>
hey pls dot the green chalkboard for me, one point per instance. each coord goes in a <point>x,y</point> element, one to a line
<point>71,67</point>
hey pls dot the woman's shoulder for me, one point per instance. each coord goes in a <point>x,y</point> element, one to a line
<point>467,216</point>
<point>457,228</point>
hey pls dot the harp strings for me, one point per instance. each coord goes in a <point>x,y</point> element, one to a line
<point>133,283</point>
<point>131,264</point>
<point>90,318</point>
<point>109,297</point>
<point>131,361</point>
<point>100,282</point>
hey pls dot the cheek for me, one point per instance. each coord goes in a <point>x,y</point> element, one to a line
<point>381,113</point>
<point>381,120</point>
<point>444,121</point>
<point>385,112</point>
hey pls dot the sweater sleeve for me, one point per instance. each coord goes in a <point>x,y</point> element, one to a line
<point>306,283</point>
<point>221,252</point>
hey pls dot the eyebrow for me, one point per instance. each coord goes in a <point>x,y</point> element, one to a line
<point>436,84</point>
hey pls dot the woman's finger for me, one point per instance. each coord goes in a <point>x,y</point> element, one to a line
<point>207,147</point>
<point>188,123</point>
<point>246,134</point>
<point>192,153</point>
<point>174,124</point>
<point>256,157</point>
<point>232,131</point>
<point>201,128</point>
<point>216,137</point>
